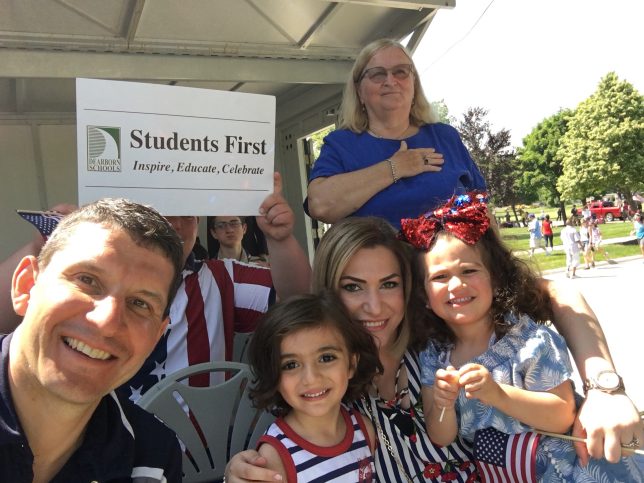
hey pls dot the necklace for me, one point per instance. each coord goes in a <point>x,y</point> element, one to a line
<point>398,137</point>
<point>385,440</point>
<point>398,396</point>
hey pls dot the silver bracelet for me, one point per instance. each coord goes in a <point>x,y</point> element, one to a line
<point>393,170</point>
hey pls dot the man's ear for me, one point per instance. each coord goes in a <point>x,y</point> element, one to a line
<point>213,233</point>
<point>24,278</point>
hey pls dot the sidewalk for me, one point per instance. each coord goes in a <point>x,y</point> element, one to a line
<point>559,248</point>
<point>598,264</point>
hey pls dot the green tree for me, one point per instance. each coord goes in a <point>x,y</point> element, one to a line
<point>492,153</point>
<point>539,165</point>
<point>317,139</point>
<point>603,148</point>
<point>442,112</point>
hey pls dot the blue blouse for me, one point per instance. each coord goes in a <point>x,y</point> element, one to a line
<point>345,151</point>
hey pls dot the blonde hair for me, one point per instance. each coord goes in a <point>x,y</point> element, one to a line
<point>343,241</point>
<point>352,114</point>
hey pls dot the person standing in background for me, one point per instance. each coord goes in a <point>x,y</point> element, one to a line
<point>574,213</point>
<point>546,229</point>
<point>596,240</point>
<point>638,231</point>
<point>229,232</point>
<point>586,246</point>
<point>536,240</point>
<point>572,246</point>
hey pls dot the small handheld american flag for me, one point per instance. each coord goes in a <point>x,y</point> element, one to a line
<point>505,458</point>
<point>44,221</point>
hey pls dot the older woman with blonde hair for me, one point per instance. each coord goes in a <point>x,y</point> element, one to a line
<point>389,157</point>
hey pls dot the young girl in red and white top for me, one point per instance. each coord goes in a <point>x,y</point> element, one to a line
<point>308,356</point>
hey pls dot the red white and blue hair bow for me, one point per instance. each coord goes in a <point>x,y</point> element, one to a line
<point>464,216</point>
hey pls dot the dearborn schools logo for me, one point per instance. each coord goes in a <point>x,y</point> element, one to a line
<point>103,148</point>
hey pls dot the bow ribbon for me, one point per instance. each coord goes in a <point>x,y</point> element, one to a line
<point>464,216</point>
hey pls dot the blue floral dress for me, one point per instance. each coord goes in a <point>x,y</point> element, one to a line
<point>533,357</point>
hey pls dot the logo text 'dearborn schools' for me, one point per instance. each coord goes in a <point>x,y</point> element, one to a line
<point>103,148</point>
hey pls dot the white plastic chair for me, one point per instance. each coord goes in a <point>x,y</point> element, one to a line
<point>213,423</point>
<point>240,346</point>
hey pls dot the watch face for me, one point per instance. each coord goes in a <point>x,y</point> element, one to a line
<point>608,380</point>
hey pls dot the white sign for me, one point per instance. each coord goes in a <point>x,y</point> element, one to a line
<point>183,150</point>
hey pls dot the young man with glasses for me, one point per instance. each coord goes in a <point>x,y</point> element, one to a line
<point>229,232</point>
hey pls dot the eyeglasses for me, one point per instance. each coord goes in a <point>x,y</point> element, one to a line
<point>378,75</point>
<point>222,225</point>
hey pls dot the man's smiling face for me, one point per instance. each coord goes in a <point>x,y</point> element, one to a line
<point>91,315</point>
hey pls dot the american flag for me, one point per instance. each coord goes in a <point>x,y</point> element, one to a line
<point>505,458</point>
<point>44,221</point>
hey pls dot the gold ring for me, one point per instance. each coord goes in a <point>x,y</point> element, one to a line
<point>425,160</point>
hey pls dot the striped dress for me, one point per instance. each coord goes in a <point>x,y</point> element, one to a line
<point>406,435</point>
<point>349,461</point>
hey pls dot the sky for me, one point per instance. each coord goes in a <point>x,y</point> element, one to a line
<point>523,60</point>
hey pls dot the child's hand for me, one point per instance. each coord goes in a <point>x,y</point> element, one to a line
<point>446,387</point>
<point>478,383</point>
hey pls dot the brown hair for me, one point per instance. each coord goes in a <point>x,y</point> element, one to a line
<point>300,313</point>
<point>515,285</point>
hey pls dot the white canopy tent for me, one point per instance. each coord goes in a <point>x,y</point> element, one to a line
<point>297,50</point>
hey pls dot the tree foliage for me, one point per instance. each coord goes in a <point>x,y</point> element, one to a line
<point>442,112</point>
<point>317,139</point>
<point>538,164</point>
<point>603,148</point>
<point>491,151</point>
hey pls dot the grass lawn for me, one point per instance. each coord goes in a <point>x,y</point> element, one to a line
<point>542,262</point>
<point>518,240</point>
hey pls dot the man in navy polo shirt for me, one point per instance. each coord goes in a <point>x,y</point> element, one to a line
<point>94,304</point>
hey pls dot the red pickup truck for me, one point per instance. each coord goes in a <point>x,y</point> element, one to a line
<point>606,210</point>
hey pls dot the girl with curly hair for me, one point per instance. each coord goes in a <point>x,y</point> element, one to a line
<point>492,369</point>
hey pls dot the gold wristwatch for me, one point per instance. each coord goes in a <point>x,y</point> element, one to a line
<point>606,381</point>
